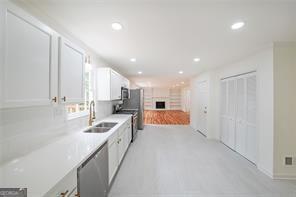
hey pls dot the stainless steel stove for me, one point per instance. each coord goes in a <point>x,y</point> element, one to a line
<point>134,113</point>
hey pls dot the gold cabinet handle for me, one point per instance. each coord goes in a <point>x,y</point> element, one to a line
<point>54,99</point>
<point>64,99</point>
<point>64,193</point>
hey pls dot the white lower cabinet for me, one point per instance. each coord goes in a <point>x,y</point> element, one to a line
<point>66,187</point>
<point>113,155</point>
<point>117,146</point>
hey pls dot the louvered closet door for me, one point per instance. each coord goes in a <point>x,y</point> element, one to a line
<point>224,119</point>
<point>231,112</point>
<point>251,138</point>
<point>241,132</point>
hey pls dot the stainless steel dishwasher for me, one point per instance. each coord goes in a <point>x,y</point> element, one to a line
<point>93,174</point>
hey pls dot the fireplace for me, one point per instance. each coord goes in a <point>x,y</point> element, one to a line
<point>160,104</point>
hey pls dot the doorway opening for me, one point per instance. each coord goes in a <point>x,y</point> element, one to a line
<point>167,106</point>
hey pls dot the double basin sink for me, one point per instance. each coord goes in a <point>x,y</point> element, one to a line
<point>103,127</point>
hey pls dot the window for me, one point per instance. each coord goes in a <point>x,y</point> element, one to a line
<point>81,109</point>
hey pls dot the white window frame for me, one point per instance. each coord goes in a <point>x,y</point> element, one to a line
<point>79,114</point>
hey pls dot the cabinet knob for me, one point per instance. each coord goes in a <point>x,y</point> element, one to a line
<point>64,99</point>
<point>64,193</point>
<point>54,99</point>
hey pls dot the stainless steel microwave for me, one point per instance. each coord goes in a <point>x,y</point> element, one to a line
<point>124,93</point>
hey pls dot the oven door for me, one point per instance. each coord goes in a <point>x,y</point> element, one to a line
<point>124,93</point>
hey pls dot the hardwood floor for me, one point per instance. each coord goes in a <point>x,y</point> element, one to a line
<point>166,117</point>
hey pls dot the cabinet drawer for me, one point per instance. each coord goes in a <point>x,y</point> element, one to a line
<point>66,186</point>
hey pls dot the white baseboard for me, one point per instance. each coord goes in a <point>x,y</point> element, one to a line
<point>284,177</point>
<point>266,172</point>
<point>277,176</point>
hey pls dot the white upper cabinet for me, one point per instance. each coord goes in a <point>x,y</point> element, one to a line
<point>71,72</point>
<point>36,67</point>
<point>115,85</point>
<point>28,63</point>
<point>109,84</point>
<point>125,82</point>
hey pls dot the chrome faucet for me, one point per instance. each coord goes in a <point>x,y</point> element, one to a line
<point>92,113</point>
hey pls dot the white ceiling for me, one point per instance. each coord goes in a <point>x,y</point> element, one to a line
<point>166,35</point>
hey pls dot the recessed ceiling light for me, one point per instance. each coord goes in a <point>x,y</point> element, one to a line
<point>116,26</point>
<point>181,72</point>
<point>196,59</point>
<point>237,25</point>
<point>133,59</point>
<point>140,72</point>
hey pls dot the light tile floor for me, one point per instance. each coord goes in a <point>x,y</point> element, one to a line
<point>174,161</point>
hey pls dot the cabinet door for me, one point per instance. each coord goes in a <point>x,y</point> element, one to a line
<point>129,132</point>
<point>125,82</point>
<point>125,139</point>
<point>66,186</point>
<point>71,72</point>
<point>103,85</point>
<point>121,147</point>
<point>29,65</point>
<point>115,86</point>
<point>113,159</point>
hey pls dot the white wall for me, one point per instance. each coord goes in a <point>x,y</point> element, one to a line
<point>262,63</point>
<point>285,108</point>
<point>161,92</point>
<point>185,99</point>
<point>23,130</point>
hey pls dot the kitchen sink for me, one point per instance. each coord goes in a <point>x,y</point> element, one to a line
<point>97,130</point>
<point>103,127</point>
<point>106,125</point>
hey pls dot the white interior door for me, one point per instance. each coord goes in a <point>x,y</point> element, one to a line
<point>202,106</point>
<point>231,108</point>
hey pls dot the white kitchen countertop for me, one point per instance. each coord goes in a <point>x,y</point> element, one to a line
<point>42,169</point>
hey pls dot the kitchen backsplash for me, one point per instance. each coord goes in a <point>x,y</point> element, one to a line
<point>23,130</point>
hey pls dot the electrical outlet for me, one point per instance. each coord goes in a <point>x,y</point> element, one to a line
<point>288,161</point>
